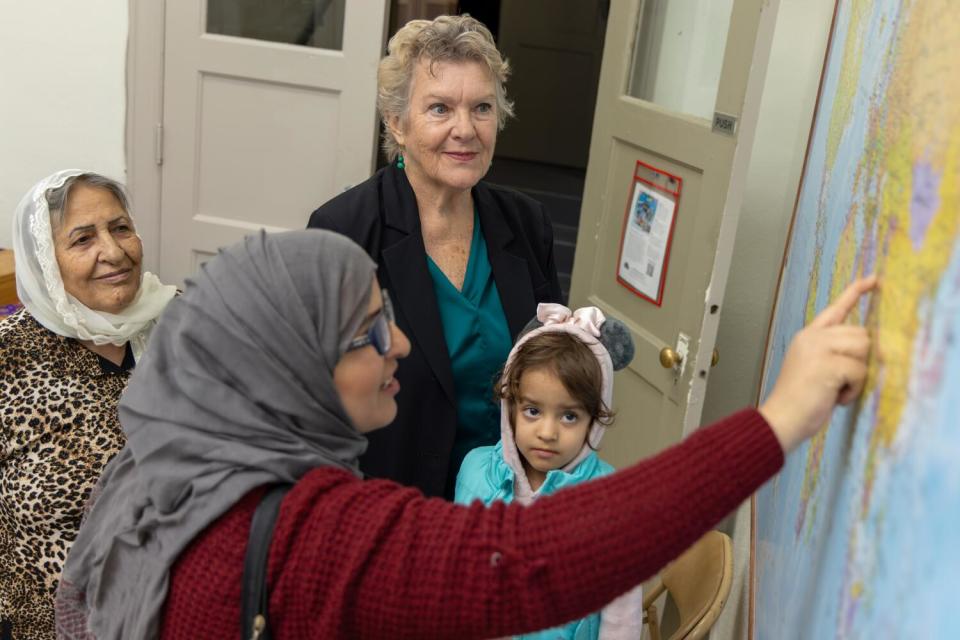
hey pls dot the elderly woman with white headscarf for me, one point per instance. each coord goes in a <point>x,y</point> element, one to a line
<point>64,360</point>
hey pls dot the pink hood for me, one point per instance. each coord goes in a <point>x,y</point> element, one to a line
<point>584,323</point>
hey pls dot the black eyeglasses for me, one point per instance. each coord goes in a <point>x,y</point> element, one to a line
<point>379,332</point>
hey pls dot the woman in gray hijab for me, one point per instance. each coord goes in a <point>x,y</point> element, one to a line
<point>269,369</point>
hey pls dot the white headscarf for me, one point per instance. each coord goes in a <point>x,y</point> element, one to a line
<point>40,285</point>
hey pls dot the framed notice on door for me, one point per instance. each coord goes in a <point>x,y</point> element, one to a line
<point>648,231</point>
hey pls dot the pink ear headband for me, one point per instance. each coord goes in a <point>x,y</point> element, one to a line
<point>609,332</point>
<point>590,319</point>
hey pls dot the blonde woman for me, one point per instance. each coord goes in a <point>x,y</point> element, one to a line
<point>466,262</point>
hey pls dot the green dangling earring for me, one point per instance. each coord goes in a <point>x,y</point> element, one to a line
<point>400,164</point>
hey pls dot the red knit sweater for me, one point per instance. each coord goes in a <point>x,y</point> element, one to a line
<point>372,559</point>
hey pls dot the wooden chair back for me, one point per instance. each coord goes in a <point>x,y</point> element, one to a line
<point>8,283</point>
<point>699,583</point>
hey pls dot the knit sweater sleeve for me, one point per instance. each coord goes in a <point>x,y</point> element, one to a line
<point>372,560</point>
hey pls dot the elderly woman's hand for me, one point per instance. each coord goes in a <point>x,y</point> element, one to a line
<point>825,364</point>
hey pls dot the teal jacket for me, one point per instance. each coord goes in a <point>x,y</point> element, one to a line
<point>487,477</point>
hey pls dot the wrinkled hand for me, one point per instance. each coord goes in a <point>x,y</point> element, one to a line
<point>825,365</point>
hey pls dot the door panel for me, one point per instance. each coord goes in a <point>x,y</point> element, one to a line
<point>552,45</point>
<point>285,154</point>
<point>634,437</point>
<point>258,131</point>
<point>675,134</point>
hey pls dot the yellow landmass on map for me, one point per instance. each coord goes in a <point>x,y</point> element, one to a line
<point>846,260</point>
<point>920,134</point>
<point>856,589</point>
<point>811,476</point>
<point>916,120</point>
<point>847,82</point>
<point>922,125</point>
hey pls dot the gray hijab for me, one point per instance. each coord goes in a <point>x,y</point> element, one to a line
<point>235,391</point>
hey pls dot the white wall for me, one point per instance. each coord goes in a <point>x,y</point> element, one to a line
<point>62,93</point>
<point>786,110</point>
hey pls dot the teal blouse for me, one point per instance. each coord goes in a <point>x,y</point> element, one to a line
<point>478,341</point>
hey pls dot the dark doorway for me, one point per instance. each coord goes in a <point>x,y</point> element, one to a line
<point>555,49</point>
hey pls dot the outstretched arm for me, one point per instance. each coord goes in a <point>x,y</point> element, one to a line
<point>373,560</point>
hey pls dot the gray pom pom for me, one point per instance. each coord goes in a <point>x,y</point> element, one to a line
<point>615,336</point>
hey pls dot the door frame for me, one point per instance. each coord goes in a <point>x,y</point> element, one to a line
<point>749,115</point>
<point>144,120</point>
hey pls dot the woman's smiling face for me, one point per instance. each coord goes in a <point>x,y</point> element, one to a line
<point>450,129</point>
<point>98,250</point>
<point>364,378</point>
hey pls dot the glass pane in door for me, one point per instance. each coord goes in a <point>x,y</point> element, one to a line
<point>678,54</point>
<point>309,23</point>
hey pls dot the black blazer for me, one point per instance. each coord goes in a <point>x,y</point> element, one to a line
<point>381,216</point>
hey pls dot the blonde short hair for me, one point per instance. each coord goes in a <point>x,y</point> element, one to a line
<point>444,39</point>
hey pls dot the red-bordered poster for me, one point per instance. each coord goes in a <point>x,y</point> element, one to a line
<point>648,231</point>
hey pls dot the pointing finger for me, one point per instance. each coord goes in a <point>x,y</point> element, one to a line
<point>840,308</point>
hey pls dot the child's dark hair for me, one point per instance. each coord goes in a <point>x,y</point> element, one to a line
<point>570,360</point>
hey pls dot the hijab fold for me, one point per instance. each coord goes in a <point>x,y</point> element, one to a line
<point>40,284</point>
<point>236,391</point>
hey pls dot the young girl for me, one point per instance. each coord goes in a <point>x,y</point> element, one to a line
<point>555,404</point>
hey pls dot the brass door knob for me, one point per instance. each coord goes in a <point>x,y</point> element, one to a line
<point>670,359</point>
<point>715,358</point>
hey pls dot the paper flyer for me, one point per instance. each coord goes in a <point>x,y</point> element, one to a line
<point>645,240</point>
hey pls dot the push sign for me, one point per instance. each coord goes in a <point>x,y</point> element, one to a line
<point>724,123</point>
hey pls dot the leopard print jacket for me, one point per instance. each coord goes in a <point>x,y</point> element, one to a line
<point>58,429</point>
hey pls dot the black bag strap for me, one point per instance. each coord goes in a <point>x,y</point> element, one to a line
<point>255,598</point>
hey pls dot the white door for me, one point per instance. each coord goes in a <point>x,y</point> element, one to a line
<point>268,111</point>
<point>679,92</point>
